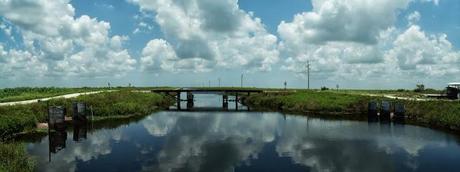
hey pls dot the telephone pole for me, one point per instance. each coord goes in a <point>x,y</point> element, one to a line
<point>219,81</point>
<point>241,80</point>
<point>308,74</point>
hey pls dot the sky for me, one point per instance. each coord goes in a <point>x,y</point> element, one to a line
<point>356,44</point>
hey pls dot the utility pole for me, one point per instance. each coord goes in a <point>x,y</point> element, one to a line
<point>219,81</point>
<point>241,80</point>
<point>209,83</point>
<point>308,74</point>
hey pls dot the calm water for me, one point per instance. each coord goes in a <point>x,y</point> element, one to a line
<point>248,141</point>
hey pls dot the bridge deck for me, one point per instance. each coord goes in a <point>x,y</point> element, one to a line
<point>204,90</point>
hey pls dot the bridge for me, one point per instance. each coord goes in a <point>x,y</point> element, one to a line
<point>225,92</point>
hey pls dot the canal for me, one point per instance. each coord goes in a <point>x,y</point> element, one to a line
<point>206,139</point>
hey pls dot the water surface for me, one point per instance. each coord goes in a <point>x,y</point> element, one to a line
<point>249,141</point>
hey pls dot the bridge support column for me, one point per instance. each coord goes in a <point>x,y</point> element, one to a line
<point>178,100</point>
<point>190,100</point>
<point>225,101</point>
<point>236,101</point>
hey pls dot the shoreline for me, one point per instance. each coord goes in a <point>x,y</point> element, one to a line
<point>31,118</point>
<point>418,113</point>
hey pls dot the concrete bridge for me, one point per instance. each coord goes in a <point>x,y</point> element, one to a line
<point>225,92</point>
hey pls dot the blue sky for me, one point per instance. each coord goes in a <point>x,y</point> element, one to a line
<point>354,43</point>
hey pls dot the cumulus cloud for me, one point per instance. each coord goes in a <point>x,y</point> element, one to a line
<point>65,44</point>
<point>206,34</point>
<point>413,17</point>
<point>337,35</point>
<point>338,20</point>
<point>356,39</point>
<point>435,2</point>
<point>419,53</point>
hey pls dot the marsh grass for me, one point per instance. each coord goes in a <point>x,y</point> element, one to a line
<point>436,113</point>
<point>21,118</point>
<point>14,158</point>
<point>319,101</point>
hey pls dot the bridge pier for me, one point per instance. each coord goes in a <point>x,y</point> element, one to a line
<point>236,101</point>
<point>190,103</point>
<point>178,100</point>
<point>225,101</point>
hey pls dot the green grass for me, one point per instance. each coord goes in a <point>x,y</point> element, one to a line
<point>123,103</point>
<point>436,113</point>
<point>318,101</point>
<point>14,158</point>
<point>445,114</point>
<point>20,118</point>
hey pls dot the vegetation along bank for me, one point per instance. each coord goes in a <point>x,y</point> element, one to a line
<point>106,106</point>
<point>432,113</point>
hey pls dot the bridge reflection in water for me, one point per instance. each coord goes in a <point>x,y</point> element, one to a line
<point>228,96</point>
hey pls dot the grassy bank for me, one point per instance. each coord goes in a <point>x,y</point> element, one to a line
<point>108,107</point>
<point>309,101</point>
<point>439,114</point>
<point>21,118</point>
<point>14,158</point>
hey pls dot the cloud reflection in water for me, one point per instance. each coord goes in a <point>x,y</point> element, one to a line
<point>205,141</point>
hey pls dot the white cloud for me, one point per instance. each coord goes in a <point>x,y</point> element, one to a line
<point>28,63</point>
<point>337,37</point>
<point>213,32</point>
<point>435,2</point>
<point>356,39</point>
<point>413,17</point>
<point>65,44</point>
<point>158,55</point>
<point>342,20</point>
<point>424,54</point>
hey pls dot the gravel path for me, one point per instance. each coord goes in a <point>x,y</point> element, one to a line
<point>66,96</point>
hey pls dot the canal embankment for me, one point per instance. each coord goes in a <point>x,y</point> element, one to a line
<point>23,118</point>
<point>430,113</point>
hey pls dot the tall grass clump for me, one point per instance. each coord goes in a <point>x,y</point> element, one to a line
<point>124,103</point>
<point>14,158</point>
<point>435,113</point>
